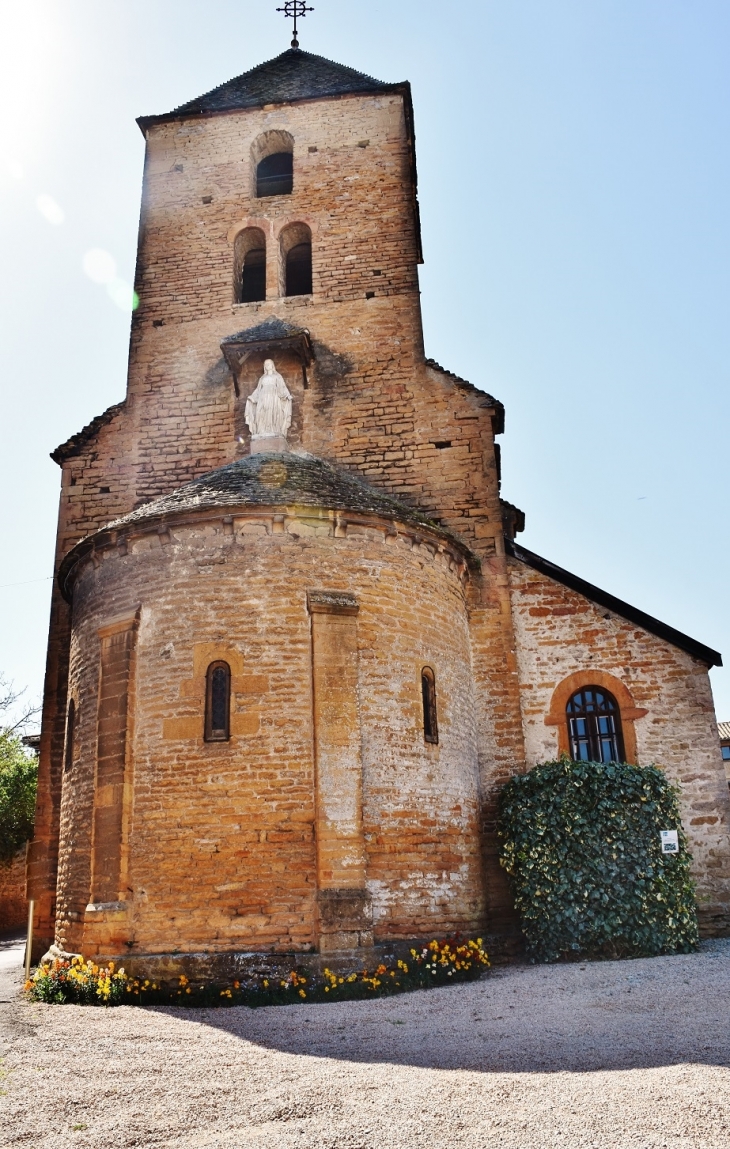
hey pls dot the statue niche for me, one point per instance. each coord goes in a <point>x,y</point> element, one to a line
<point>268,412</point>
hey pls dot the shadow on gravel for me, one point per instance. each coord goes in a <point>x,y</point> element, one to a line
<point>548,1019</point>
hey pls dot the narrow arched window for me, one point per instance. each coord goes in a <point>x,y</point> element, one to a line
<point>275,175</point>
<point>594,726</point>
<point>249,270</point>
<point>296,252</point>
<point>299,270</point>
<point>218,702</point>
<point>253,275</point>
<point>68,753</point>
<point>428,695</point>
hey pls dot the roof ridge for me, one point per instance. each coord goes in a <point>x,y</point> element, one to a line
<point>594,593</point>
<point>73,445</point>
<point>292,75</point>
<point>290,52</point>
<point>465,385</point>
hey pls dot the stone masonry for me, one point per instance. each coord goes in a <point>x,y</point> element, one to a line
<point>251,842</point>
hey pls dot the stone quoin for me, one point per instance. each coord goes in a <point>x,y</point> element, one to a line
<point>295,649</point>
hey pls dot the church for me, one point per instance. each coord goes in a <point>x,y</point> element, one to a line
<point>295,646</point>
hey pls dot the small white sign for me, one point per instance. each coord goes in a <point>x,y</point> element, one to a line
<point>670,841</point>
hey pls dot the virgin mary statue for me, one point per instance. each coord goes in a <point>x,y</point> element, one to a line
<point>268,408</point>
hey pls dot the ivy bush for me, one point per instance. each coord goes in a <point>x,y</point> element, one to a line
<point>581,844</point>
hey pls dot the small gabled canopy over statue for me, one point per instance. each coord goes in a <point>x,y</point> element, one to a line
<point>268,411</point>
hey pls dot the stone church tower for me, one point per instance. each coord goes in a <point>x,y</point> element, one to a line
<point>295,650</point>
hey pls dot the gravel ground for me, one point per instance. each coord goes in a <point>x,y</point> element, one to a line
<point>608,1054</point>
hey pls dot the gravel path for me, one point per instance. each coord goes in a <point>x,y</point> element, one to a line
<point>610,1054</point>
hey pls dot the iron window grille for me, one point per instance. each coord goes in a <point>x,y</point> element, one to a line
<point>218,703</point>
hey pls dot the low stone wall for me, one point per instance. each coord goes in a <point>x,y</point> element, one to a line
<point>13,906</point>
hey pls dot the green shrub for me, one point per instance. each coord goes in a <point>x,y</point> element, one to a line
<point>581,844</point>
<point>18,783</point>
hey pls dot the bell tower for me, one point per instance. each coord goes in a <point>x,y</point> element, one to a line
<point>279,220</point>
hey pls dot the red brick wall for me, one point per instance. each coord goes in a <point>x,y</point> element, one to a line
<point>13,904</point>
<point>560,633</point>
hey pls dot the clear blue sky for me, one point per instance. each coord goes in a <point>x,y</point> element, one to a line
<point>574,177</point>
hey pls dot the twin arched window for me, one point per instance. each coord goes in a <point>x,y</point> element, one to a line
<point>249,263</point>
<point>218,702</point>
<point>594,726</point>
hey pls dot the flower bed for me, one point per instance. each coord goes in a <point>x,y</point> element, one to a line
<point>79,981</point>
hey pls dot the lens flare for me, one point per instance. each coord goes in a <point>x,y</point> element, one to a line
<point>50,210</point>
<point>100,266</point>
<point>122,294</point>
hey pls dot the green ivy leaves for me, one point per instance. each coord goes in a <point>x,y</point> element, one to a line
<point>580,842</point>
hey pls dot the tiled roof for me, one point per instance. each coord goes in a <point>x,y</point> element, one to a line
<point>294,75</point>
<point>270,329</point>
<point>74,445</point>
<point>268,480</point>
<point>277,480</point>
<point>723,729</point>
<point>624,609</point>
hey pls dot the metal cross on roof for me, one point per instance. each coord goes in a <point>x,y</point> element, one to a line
<point>295,9</point>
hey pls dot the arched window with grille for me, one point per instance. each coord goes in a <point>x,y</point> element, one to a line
<point>218,702</point>
<point>428,695</point>
<point>594,726</point>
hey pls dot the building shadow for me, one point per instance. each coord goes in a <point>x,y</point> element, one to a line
<point>598,1016</point>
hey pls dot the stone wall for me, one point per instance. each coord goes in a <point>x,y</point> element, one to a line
<point>220,834</point>
<point>13,904</point>
<point>666,702</point>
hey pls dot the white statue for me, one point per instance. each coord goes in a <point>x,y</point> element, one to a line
<point>268,408</point>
